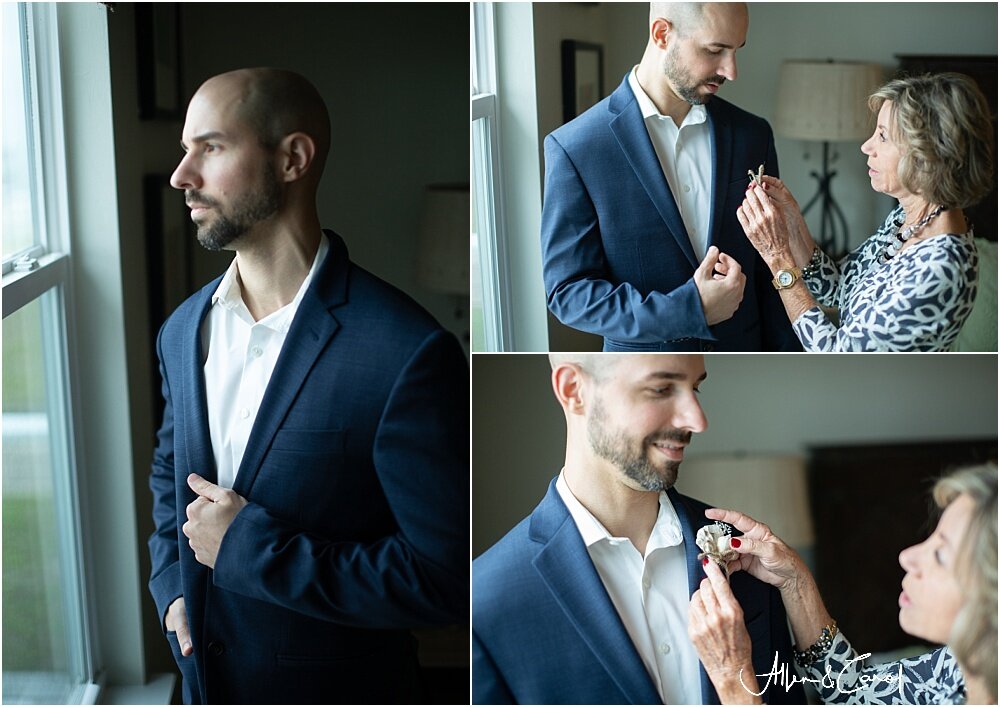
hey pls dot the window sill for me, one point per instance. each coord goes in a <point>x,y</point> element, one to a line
<point>157,691</point>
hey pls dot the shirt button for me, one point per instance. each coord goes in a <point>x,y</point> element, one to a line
<point>645,583</point>
<point>686,188</point>
<point>257,351</point>
<point>244,413</point>
<point>664,648</point>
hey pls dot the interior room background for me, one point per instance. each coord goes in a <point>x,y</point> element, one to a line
<point>394,78</point>
<point>529,91</point>
<point>835,453</point>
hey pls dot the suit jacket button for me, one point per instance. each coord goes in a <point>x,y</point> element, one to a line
<point>216,647</point>
<point>707,347</point>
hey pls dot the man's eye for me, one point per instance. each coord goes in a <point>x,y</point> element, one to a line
<point>211,147</point>
<point>662,391</point>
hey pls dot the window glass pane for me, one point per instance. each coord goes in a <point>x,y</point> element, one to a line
<point>18,229</point>
<point>481,240</point>
<point>39,662</point>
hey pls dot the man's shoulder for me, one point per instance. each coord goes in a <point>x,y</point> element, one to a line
<point>584,128</point>
<point>736,116</point>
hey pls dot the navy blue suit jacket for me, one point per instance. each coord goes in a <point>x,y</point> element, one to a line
<point>544,630</point>
<point>357,475</point>
<point>616,257</point>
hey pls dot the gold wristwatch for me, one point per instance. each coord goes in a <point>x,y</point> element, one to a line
<point>785,278</point>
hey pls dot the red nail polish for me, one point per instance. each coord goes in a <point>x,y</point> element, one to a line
<point>735,542</point>
<point>705,562</point>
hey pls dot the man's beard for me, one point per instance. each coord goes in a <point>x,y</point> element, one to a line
<point>631,455</point>
<point>250,210</point>
<point>681,81</point>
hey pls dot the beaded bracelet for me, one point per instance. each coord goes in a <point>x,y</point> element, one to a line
<point>819,649</point>
<point>812,267</point>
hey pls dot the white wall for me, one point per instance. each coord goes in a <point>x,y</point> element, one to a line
<point>755,404</point>
<point>872,32</point>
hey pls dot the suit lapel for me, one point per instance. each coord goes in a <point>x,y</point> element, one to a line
<point>633,138</point>
<point>689,527</point>
<point>312,328</point>
<point>722,155</point>
<point>198,441</point>
<point>567,570</point>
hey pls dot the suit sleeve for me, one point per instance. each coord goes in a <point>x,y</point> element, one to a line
<point>578,284</point>
<point>418,576</point>
<point>165,578</point>
<point>488,687</point>
<point>776,329</point>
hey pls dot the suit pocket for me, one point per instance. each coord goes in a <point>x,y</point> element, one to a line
<point>304,441</point>
<point>184,663</point>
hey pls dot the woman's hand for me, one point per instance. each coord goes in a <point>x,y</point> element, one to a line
<point>762,553</point>
<point>715,626</point>
<point>800,240</point>
<point>764,223</point>
<point>766,557</point>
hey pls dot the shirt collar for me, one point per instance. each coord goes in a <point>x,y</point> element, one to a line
<point>666,530</point>
<point>695,116</point>
<point>229,294</point>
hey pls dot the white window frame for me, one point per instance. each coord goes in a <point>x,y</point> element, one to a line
<point>28,276</point>
<point>493,250</point>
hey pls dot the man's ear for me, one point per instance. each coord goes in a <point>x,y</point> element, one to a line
<point>297,151</point>
<point>660,31</point>
<point>568,384</point>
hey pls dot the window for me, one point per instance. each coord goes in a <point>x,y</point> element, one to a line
<point>46,652</point>
<point>491,329</point>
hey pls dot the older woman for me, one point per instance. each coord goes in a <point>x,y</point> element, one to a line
<point>949,596</point>
<point>911,286</point>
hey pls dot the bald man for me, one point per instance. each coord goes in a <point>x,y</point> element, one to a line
<point>310,482</point>
<point>640,240</point>
<point>586,600</point>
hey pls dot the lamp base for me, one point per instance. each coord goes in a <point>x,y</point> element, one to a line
<point>833,225</point>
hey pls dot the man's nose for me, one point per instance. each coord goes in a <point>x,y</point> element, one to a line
<point>185,176</point>
<point>691,416</point>
<point>728,68</point>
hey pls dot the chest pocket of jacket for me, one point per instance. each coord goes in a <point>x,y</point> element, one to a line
<point>308,441</point>
<point>301,471</point>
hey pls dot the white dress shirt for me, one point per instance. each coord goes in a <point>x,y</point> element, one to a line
<point>685,155</point>
<point>650,593</point>
<point>240,355</point>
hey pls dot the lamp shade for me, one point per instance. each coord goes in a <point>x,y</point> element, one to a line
<point>771,488</point>
<point>443,257</point>
<point>826,100</point>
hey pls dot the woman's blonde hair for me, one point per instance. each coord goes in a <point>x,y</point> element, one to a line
<point>973,637</point>
<point>942,125</point>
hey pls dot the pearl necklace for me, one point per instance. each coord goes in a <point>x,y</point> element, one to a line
<point>897,239</point>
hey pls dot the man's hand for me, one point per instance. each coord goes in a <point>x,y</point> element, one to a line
<point>720,282</point>
<point>209,517</point>
<point>177,621</point>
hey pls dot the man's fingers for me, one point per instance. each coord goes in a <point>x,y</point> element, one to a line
<point>205,488</point>
<point>184,637</point>
<point>707,265</point>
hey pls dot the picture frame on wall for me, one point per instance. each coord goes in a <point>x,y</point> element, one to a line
<point>582,76</point>
<point>157,37</point>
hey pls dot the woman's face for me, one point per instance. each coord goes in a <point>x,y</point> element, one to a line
<point>932,594</point>
<point>883,156</point>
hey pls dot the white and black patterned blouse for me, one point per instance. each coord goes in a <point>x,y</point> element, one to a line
<point>918,301</point>
<point>930,679</point>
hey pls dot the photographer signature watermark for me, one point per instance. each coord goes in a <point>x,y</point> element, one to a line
<point>782,675</point>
